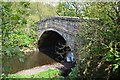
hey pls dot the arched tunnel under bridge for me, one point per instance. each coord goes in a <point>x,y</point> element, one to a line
<point>56,35</point>
<point>53,44</point>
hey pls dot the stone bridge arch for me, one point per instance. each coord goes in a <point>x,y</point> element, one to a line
<point>66,37</point>
<point>66,27</point>
<point>63,28</point>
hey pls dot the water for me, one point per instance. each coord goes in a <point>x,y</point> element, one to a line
<point>31,59</point>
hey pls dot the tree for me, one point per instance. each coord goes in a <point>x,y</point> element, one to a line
<point>67,9</point>
<point>42,10</point>
<point>14,22</point>
<point>102,42</point>
<point>101,38</point>
<point>19,29</point>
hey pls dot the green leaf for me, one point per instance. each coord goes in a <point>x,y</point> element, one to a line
<point>109,56</point>
<point>21,59</point>
<point>115,67</point>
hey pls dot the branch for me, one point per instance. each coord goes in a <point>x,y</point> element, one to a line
<point>117,12</point>
<point>111,17</point>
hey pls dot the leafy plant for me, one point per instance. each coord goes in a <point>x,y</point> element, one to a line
<point>50,73</point>
<point>100,48</point>
<point>113,56</point>
<point>14,22</point>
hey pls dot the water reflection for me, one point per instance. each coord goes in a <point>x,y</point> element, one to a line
<point>32,59</point>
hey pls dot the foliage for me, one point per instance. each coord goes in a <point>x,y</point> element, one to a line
<point>18,22</point>
<point>113,56</point>
<point>19,28</point>
<point>50,73</point>
<point>16,33</point>
<point>74,74</point>
<point>42,10</point>
<point>13,21</point>
<point>68,9</point>
<point>100,37</point>
<point>108,37</point>
<point>105,39</point>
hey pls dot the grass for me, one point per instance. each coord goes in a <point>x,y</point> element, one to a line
<point>50,73</point>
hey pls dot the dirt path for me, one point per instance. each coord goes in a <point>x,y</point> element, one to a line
<point>40,69</point>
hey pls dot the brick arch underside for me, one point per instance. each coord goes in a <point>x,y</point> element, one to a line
<point>48,44</point>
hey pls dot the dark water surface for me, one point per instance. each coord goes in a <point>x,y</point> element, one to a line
<point>31,59</point>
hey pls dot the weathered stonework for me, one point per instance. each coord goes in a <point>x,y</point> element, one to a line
<point>67,27</point>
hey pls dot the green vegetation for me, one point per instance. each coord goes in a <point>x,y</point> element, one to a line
<point>100,52</point>
<point>50,73</point>
<point>101,38</point>
<point>41,11</point>
<point>19,29</point>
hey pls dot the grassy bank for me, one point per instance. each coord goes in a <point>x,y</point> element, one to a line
<point>50,73</point>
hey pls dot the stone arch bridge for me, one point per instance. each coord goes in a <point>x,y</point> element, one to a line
<point>54,31</point>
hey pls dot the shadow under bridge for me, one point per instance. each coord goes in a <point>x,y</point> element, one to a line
<point>53,44</point>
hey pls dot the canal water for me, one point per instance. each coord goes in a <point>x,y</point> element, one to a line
<point>31,59</point>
